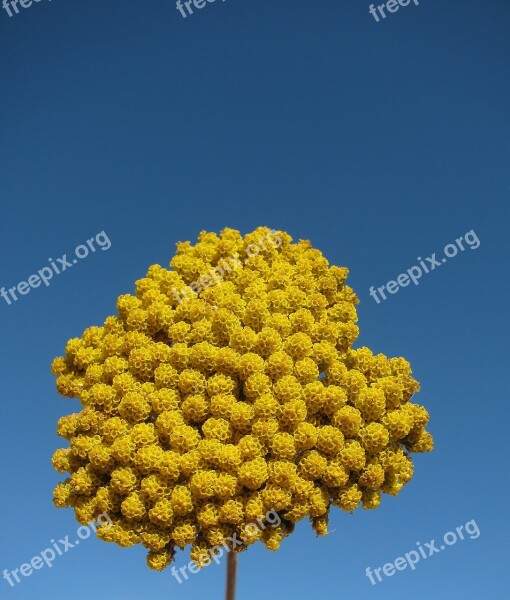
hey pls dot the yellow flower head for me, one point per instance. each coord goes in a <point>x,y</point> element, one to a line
<point>225,388</point>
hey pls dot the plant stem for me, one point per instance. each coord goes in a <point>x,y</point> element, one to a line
<point>231,575</point>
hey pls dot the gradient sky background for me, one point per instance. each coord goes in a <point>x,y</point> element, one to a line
<point>379,142</point>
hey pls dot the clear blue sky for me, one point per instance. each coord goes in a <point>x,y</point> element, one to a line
<point>380,142</point>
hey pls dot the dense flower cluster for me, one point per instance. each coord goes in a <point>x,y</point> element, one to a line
<point>200,416</point>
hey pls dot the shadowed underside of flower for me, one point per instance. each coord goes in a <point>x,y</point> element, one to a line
<point>227,387</point>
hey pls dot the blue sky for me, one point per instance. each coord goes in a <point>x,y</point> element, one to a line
<point>379,142</point>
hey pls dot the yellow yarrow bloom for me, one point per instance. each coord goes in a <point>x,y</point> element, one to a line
<point>227,387</point>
